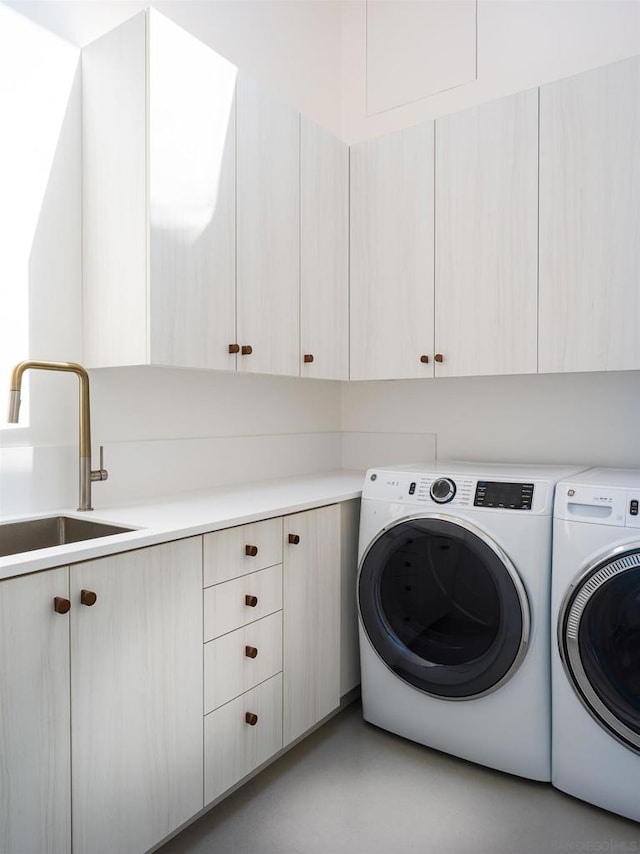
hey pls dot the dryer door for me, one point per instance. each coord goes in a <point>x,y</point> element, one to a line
<point>443,606</point>
<point>599,641</point>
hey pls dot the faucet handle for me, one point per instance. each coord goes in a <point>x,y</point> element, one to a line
<point>101,473</point>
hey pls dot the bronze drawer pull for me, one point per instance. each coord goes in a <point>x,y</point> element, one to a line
<point>308,358</point>
<point>234,348</point>
<point>251,718</point>
<point>60,605</point>
<point>88,598</point>
<point>246,350</point>
<point>439,357</point>
<point>294,539</point>
<point>251,551</point>
<point>251,651</point>
<point>251,601</point>
<point>424,360</point>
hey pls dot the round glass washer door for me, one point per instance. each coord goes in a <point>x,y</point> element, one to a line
<point>443,606</point>
<point>599,642</point>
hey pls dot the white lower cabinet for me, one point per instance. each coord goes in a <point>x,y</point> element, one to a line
<point>241,735</point>
<point>311,573</point>
<point>108,668</point>
<point>35,757</point>
<point>241,660</point>
<point>136,696</point>
<point>115,646</point>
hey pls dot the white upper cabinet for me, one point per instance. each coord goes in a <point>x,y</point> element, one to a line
<point>268,232</point>
<point>392,222</point>
<point>158,198</point>
<point>590,220</point>
<point>324,254</point>
<point>487,238</point>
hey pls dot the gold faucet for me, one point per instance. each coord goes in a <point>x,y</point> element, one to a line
<point>86,474</point>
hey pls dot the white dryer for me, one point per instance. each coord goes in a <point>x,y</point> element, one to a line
<point>596,639</point>
<point>453,595</point>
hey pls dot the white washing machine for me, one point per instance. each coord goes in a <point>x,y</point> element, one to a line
<point>453,595</point>
<point>596,639</point>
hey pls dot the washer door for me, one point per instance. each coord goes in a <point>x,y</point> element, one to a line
<point>599,640</point>
<point>443,606</point>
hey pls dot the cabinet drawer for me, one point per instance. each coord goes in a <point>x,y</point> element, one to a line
<point>232,747</point>
<point>242,601</point>
<point>229,671</point>
<point>239,551</point>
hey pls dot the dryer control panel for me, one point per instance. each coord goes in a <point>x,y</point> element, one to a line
<point>598,505</point>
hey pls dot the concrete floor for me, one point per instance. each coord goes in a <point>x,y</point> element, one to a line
<point>353,789</point>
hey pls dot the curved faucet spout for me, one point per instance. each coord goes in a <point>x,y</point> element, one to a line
<point>86,475</point>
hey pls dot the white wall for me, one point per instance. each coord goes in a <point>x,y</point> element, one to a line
<point>291,46</point>
<point>521,44</point>
<point>589,419</point>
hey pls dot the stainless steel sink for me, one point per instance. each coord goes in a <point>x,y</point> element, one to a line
<point>17,537</point>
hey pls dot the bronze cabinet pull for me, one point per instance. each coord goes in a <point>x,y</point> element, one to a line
<point>251,601</point>
<point>251,718</point>
<point>308,358</point>
<point>251,651</point>
<point>439,357</point>
<point>294,539</point>
<point>251,551</point>
<point>246,350</point>
<point>234,348</point>
<point>424,360</point>
<point>88,598</point>
<point>60,605</point>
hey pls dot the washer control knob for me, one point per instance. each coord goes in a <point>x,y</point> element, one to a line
<point>442,490</point>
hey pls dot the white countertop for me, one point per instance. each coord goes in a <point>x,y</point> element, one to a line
<point>187,515</point>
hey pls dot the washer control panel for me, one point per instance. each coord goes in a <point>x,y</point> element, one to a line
<point>511,496</point>
<point>441,491</point>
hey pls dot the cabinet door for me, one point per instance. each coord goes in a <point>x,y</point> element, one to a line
<point>392,255</point>
<point>324,254</point>
<point>35,752</point>
<point>590,220</point>
<point>136,697</point>
<point>311,649</point>
<point>487,238</point>
<point>191,150</point>
<point>268,231</point>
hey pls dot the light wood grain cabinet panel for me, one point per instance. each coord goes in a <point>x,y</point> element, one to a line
<point>311,664</point>
<point>324,253</point>
<point>191,149</point>
<point>349,646</point>
<point>238,551</point>
<point>244,600</point>
<point>268,231</point>
<point>35,750</point>
<point>242,659</point>
<point>114,197</point>
<point>590,220</point>
<point>234,747</point>
<point>136,697</point>
<point>486,238</point>
<point>392,235</point>
<point>158,198</point>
